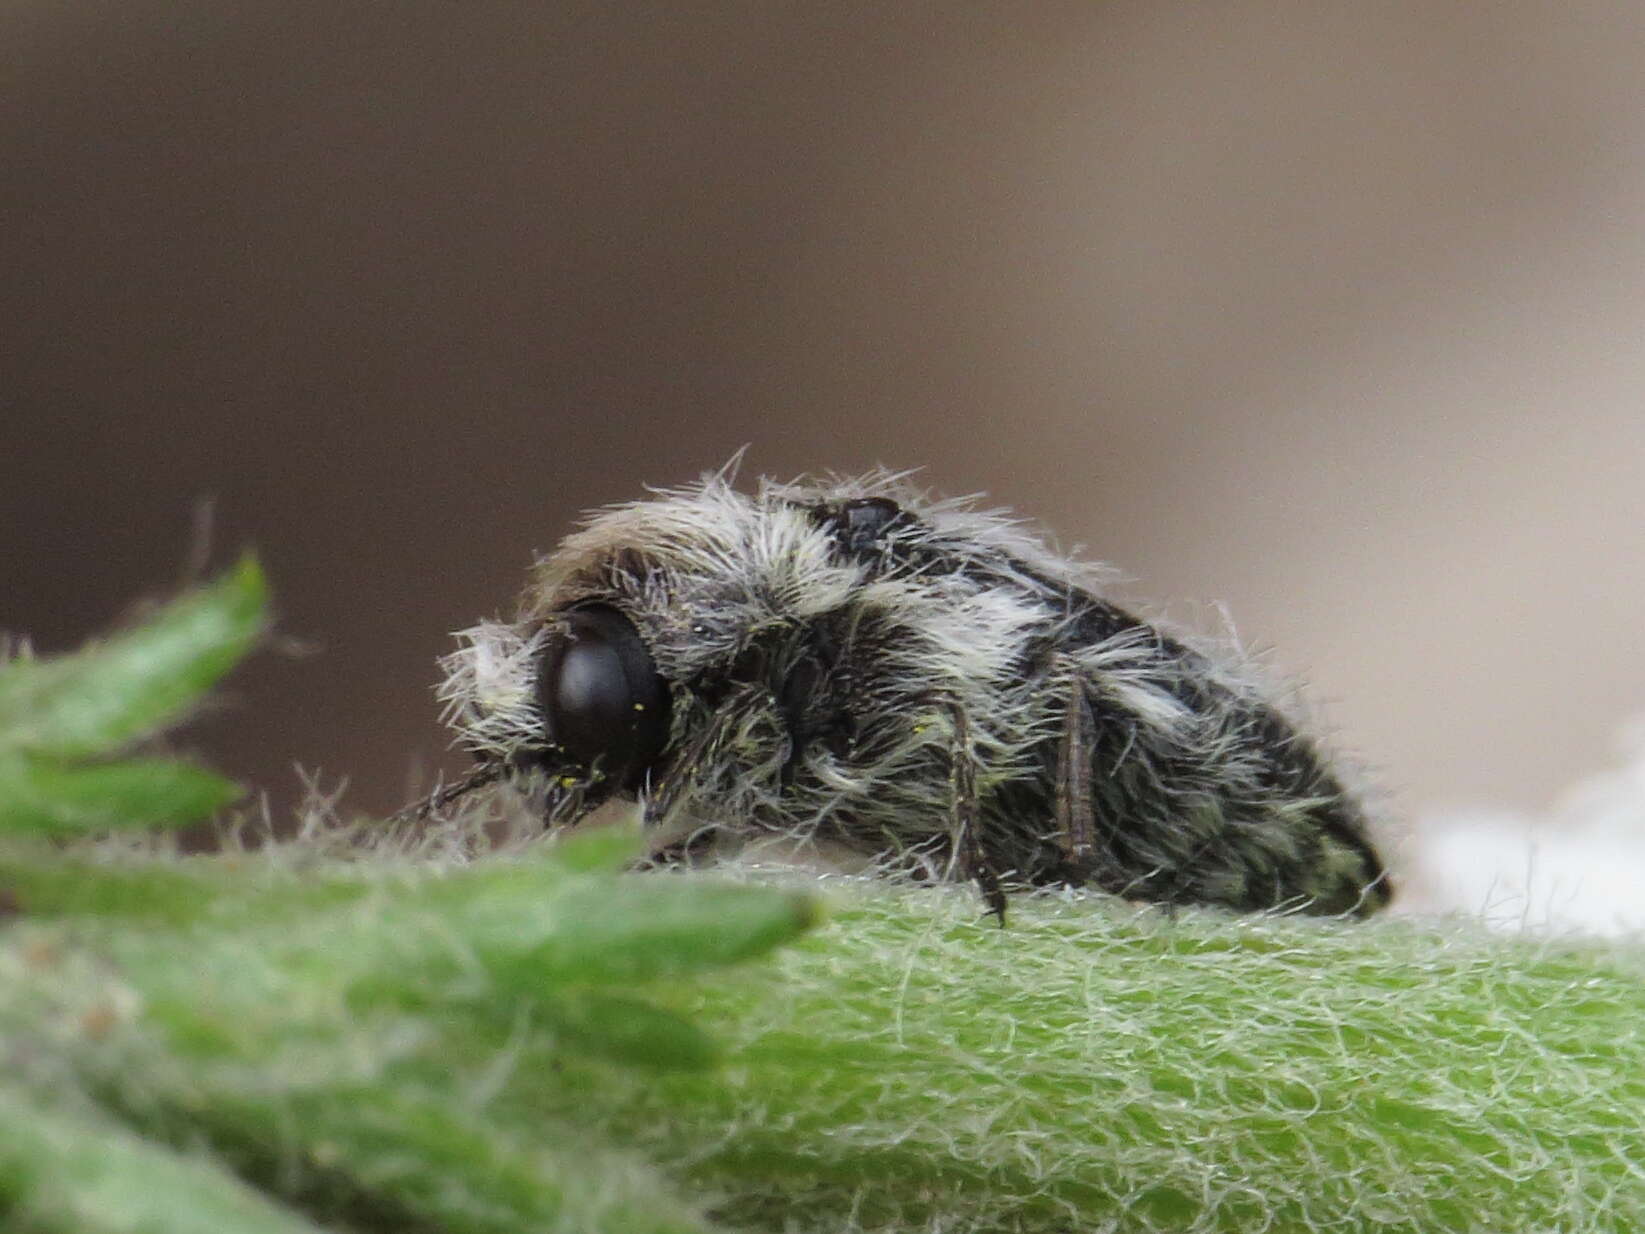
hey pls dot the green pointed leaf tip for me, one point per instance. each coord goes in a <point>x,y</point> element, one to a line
<point>44,882</point>
<point>595,850</point>
<point>107,694</point>
<point>499,938</point>
<point>626,1030</point>
<point>44,797</point>
<point>529,926</point>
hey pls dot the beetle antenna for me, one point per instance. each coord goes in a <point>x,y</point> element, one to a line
<point>440,798</point>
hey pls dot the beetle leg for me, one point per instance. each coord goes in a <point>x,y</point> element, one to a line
<point>1076,819</point>
<point>444,795</point>
<point>713,745</point>
<point>964,819</point>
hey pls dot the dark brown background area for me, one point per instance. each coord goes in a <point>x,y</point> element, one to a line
<point>1332,313</point>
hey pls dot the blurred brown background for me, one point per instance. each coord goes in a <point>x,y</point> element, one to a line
<point>1332,313</point>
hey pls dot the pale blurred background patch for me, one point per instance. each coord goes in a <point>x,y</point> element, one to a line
<point>1577,869</point>
<point>1330,313</point>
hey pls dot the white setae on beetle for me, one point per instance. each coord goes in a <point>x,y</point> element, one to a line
<point>918,681</point>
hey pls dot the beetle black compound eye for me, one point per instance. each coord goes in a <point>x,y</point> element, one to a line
<point>605,703</point>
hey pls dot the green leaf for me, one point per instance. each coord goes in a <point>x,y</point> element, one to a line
<point>531,926</point>
<point>626,1030</point>
<point>400,1158</point>
<point>110,693</point>
<point>44,882</point>
<point>600,850</point>
<point>646,929</point>
<point>81,1173</point>
<point>40,796</point>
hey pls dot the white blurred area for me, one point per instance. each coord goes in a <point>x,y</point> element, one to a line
<point>1580,869</point>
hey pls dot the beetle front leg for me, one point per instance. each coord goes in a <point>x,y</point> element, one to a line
<point>719,743</point>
